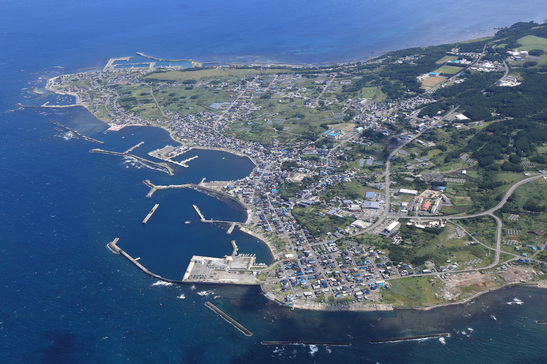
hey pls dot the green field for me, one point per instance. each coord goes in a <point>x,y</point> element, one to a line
<point>370,92</point>
<point>446,59</point>
<point>531,224</point>
<point>532,42</point>
<point>319,225</point>
<point>448,70</point>
<point>210,73</point>
<point>412,292</point>
<point>437,245</point>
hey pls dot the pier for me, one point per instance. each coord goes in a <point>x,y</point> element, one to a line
<point>229,319</point>
<point>150,213</point>
<point>234,246</point>
<point>231,229</point>
<point>133,147</point>
<point>199,213</point>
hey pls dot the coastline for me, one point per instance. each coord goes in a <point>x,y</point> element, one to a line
<point>245,227</point>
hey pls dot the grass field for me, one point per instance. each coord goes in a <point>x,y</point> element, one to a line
<point>432,81</point>
<point>370,92</point>
<point>210,73</point>
<point>412,291</point>
<point>530,225</point>
<point>446,59</point>
<point>532,42</point>
<point>448,70</point>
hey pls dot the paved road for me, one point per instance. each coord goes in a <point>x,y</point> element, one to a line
<point>490,213</point>
<point>385,213</point>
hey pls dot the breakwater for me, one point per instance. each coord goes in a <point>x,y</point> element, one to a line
<point>133,147</point>
<point>47,105</point>
<point>154,188</point>
<point>164,167</point>
<point>323,343</point>
<point>409,338</point>
<point>75,132</point>
<point>113,246</point>
<point>202,218</point>
<point>150,213</point>
<point>229,319</point>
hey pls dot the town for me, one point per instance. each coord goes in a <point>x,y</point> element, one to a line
<point>366,186</point>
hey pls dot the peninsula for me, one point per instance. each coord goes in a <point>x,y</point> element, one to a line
<point>414,179</point>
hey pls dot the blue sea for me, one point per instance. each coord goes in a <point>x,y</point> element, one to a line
<point>66,298</point>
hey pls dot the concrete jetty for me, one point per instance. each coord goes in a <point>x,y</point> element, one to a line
<point>199,213</point>
<point>229,319</point>
<point>234,245</point>
<point>110,63</point>
<point>150,213</point>
<point>162,166</point>
<point>154,188</point>
<point>92,140</point>
<point>409,338</point>
<point>133,147</point>
<point>46,105</point>
<point>187,160</point>
<point>324,343</point>
<point>231,229</point>
<point>113,246</point>
<point>194,63</point>
<point>75,132</point>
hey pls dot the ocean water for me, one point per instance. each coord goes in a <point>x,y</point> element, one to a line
<point>66,298</point>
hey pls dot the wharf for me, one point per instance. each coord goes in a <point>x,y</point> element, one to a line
<point>150,213</point>
<point>229,319</point>
<point>232,269</point>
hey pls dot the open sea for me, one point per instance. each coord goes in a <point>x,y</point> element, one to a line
<point>66,298</point>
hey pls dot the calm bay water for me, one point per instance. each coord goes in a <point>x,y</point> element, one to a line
<point>66,298</point>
